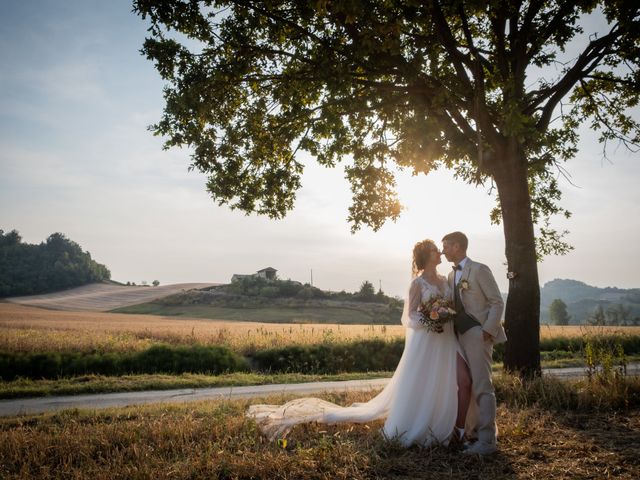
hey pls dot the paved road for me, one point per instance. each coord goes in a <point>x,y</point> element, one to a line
<point>109,400</point>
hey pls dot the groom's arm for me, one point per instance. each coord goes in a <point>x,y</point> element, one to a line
<point>491,291</point>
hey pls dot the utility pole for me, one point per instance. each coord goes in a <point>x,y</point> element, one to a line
<point>312,277</point>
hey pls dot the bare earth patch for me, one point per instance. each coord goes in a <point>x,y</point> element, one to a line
<point>102,296</point>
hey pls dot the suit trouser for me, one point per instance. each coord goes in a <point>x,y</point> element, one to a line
<point>479,356</point>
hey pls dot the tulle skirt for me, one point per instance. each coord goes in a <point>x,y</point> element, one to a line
<point>419,403</point>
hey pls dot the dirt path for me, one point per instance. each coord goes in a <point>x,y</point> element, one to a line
<point>29,406</point>
<point>100,297</point>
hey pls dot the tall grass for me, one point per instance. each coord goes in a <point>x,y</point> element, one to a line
<point>26,329</point>
<point>36,343</point>
<point>216,440</point>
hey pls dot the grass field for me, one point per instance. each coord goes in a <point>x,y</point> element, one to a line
<point>548,428</point>
<point>215,440</point>
<point>27,329</point>
<point>306,314</point>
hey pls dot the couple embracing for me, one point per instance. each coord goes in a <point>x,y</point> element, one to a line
<point>441,391</point>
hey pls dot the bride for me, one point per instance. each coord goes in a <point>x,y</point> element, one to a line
<point>429,392</point>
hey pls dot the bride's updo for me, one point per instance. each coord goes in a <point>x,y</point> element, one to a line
<point>421,252</point>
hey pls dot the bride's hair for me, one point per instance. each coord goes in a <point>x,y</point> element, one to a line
<point>421,252</point>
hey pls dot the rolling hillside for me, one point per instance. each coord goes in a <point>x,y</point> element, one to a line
<point>101,297</point>
<point>583,299</point>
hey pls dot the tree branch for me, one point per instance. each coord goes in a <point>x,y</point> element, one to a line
<point>616,80</point>
<point>497,26</point>
<point>476,101</point>
<point>519,59</point>
<point>586,63</point>
<point>540,39</point>
<point>480,59</point>
<point>277,18</point>
<point>458,59</point>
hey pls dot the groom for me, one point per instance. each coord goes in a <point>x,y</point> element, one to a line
<point>477,325</point>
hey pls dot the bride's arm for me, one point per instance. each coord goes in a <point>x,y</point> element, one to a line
<point>448,291</point>
<point>411,314</point>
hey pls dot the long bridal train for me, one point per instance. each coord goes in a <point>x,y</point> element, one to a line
<point>419,403</point>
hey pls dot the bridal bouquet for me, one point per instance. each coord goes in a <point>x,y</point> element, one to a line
<point>435,313</point>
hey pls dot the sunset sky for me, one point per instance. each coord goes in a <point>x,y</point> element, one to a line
<point>76,157</point>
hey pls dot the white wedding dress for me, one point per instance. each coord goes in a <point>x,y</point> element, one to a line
<point>420,401</point>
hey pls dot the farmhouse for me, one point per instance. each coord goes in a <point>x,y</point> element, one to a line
<point>269,273</point>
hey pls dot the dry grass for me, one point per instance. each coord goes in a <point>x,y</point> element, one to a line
<point>32,329</point>
<point>215,440</point>
<point>26,329</point>
<point>550,331</point>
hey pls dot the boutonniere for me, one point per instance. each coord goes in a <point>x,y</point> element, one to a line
<point>463,285</point>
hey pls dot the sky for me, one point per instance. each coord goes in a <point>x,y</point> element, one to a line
<point>76,98</point>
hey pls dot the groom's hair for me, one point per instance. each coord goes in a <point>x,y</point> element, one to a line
<point>457,237</point>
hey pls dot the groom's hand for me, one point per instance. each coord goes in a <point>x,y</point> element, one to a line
<point>486,336</point>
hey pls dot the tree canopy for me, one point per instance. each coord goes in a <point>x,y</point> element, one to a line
<point>418,84</point>
<point>414,85</point>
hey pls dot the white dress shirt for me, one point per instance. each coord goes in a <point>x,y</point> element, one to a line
<point>459,272</point>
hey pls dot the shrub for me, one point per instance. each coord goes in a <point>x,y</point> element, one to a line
<point>328,358</point>
<point>269,292</point>
<point>156,359</point>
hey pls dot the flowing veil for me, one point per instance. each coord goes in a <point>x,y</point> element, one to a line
<point>275,421</point>
<point>422,392</point>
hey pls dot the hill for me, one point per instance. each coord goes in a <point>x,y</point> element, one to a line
<point>100,297</point>
<point>279,301</point>
<point>619,304</point>
<point>260,300</point>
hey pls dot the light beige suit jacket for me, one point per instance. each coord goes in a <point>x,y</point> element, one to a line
<point>482,299</point>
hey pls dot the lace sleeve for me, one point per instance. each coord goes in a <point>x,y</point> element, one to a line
<point>448,291</point>
<point>410,316</point>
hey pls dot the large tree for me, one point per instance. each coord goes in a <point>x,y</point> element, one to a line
<point>383,85</point>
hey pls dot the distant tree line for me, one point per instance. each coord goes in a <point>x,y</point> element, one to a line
<point>616,314</point>
<point>262,287</point>
<point>55,264</point>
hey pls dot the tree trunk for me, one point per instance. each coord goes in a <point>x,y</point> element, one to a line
<point>522,313</point>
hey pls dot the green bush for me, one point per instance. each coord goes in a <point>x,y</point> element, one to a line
<point>327,358</point>
<point>551,348</point>
<point>156,359</point>
<point>269,292</point>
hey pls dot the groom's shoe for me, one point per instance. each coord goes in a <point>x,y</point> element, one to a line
<point>480,448</point>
